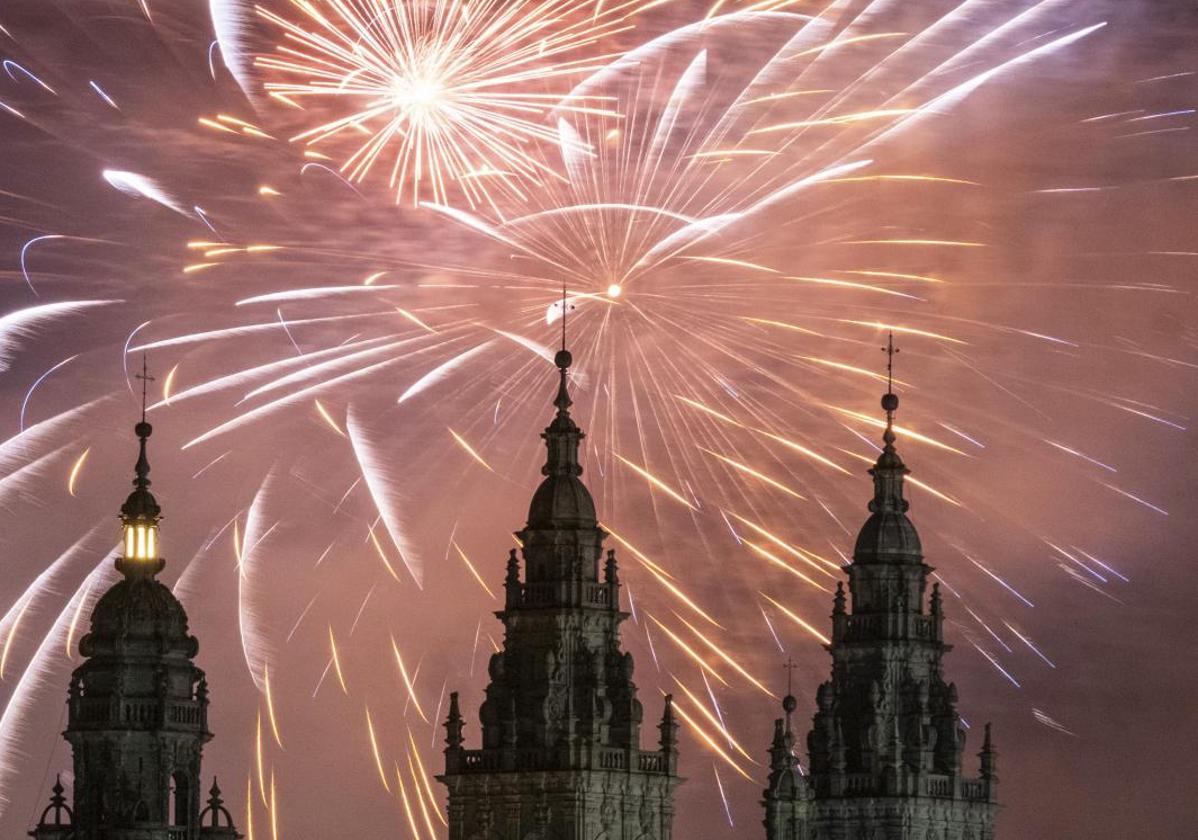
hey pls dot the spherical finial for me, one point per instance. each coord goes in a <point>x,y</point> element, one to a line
<point>563,359</point>
<point>789,704</point>
<point>143,429</point>
<point>890,401</point>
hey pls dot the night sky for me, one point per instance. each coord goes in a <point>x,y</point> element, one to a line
<point>351,374</point>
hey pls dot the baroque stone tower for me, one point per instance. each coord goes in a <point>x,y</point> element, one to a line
<point>886,744</point>
<point>138,705</point>
<point>561,755</point>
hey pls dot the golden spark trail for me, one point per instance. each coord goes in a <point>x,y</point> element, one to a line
<point>12,634</point>
<point>378,547</point>
<point>428,820</point>
<point>793,617</point>
<point>270,706</point>
<point>710,742</point>
<point>424,777</point>
<point>259,761</point>
<point>790,444</point>
<point>922,485</point>
<point>328,418</point>
<point>408,682</point>
<point>337,662</point>
<point>800,553</point>
<point>778,485</point>
<point>374,748</point>
<point>469,449</point>
<point>249,807</point>
<point>655,481</point>
<point>881,377</point>
<point>168,384</point>
<point>712,719</point>
<point>75,470</point>
<point>274,809</point>
<point>473,570</point>
<point>414,319</point>
<point>902,430</point>
<point>407,806</point>
<point>724,656</point>
<point>777,561</point>
<point>70,639</point>
<point>845,119</point>
<point>687,649</point>
<point>662,577</point>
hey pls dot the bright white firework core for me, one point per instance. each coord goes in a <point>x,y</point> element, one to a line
<point>614,290</point>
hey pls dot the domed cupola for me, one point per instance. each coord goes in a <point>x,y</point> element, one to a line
<point>888,536</point>
<point>562,500</point>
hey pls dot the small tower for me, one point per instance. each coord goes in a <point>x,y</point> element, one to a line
<point>786,796</point>
<point>561,749</point>
<point>138,705</point>
<point>886,742</point>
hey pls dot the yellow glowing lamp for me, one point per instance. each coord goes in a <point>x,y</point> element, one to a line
<point>141,541</point>
<point>139,516</point>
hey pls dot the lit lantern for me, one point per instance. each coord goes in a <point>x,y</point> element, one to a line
<point>139,515</point>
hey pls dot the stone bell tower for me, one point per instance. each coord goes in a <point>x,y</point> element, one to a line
<point>561,753</point>
<point>138,705</point>
<point>886,744</point>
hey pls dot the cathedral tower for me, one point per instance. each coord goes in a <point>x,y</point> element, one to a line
<point>561,749</point>
<point>886,744</point>
<point>138,705</point>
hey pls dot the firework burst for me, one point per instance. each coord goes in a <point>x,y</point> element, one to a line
<point>452,94</point>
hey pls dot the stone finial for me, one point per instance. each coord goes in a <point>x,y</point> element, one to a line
<point>454,724</point>
<point>611,573</point>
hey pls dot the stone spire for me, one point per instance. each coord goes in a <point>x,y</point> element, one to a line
<point>137,712</point>
<point>140,512</point>
<point>561,724</point>
<point>786,794</point>
<point>886,741</point>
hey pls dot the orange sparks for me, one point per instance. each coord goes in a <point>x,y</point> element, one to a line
<point>408,682</point>
<point>414,319</point>
<point>713,720</point>
<point>470,449</point>
<point>473,570</point>
<point>878,325</point>
<point>795,618</point>
<point>407,806</point>
<point>270,706</point>
<point>12,634</point>
<point>655,481</point>
<point>378,547</point>
<point>710,742</point>
<point>328,418</point>
<point>274,809</point>
<point>661,576</point>
<point>168,385</point>
<point>374,748</point>
<point>75,470</point>
<point>906,432</point>
<point>337,661</point>
<point>424,810</point>
<point>70,640</point>
<point>724,656</point>
<point>778,561</point>
<point>258,760</point>
<point>911,480</point>
<point>687,649</point>
<point>424,777</point>
<point>778,485</point>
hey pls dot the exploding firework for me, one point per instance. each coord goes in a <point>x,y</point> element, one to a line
<point>740,209</point>
<point>449,95</point>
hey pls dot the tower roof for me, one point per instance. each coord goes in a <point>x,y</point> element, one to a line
<point>888,536</point>
<point>562,501</point>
